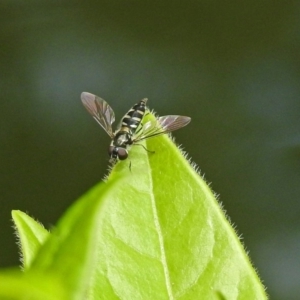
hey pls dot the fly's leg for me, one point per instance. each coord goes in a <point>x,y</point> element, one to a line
<point>150,151</point>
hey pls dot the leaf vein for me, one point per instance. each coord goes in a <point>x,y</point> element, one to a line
<point>160,238</point>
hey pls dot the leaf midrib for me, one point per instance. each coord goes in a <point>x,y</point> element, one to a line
<point>160,235</point>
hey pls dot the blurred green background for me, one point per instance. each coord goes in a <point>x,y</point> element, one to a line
<point>234,67</point>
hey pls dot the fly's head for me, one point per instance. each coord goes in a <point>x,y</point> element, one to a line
<point>117,153</point>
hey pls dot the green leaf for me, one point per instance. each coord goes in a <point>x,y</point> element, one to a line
<point>163,234</point>
<point>70,253</point>
<point>153,231</point>
<point>16,285</point>
<point>31,235</point>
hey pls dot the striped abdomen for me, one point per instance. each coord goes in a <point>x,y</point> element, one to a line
<point>134,116</point>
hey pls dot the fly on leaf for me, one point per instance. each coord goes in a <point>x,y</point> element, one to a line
<point>131,129</point>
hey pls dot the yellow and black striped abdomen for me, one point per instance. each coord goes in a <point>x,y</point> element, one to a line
<point>134,116</point>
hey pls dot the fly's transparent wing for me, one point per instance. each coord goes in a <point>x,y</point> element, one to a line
<point>161,125</point>
<point>100,111</point>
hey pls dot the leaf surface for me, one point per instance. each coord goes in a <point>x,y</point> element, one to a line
<point>153,231</point>
<point>16,285</point>
<point>70,253</point>
<point>31,235</point>
<point>163,234</point>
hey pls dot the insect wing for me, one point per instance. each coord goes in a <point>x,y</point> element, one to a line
<point>100,111</point>
<point>171,123</point>
<point>162,125</point>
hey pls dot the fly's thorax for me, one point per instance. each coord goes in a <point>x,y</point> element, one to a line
<point>122,138</point>
<point>118,146</point>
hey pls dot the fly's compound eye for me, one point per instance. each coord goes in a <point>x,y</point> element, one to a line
<point>122,153</point>
<point>116,152</point>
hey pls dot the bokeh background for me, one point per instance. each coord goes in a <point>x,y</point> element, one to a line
<point>233,66</point>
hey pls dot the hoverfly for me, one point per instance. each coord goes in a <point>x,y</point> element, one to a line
<point>131,130</point>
